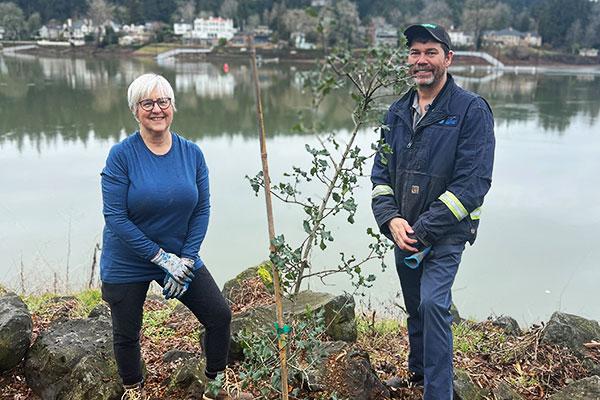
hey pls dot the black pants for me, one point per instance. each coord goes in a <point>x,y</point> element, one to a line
<point>203,298</point>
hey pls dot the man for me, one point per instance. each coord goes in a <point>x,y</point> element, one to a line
<point>429,180</point>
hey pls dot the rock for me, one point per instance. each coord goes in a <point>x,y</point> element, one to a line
<point>338,313</point>
<point>505,392</point>
<point>583,389</point>
<point>571,331</point>
<point>102,310</point>
<point>262,270</point>
<point>509,325</point>
<point>15,330</point>
<point>456,318</point>
<point>347,371</point>
<point>465,389</point>
<point>177,355</point>
<point>188,376</point>
<point>259,319</point>
<point>74,360</point>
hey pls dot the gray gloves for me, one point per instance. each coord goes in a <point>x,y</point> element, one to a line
<point>173,289</point>
<point>174,266</point>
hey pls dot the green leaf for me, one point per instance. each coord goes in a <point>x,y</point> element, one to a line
<point>306,226</point>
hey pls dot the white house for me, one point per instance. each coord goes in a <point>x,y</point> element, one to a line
<point>2,31</point>
<point>300,42</point>
<point>213,28</point>
<point>53,32</point>
<point>181,28</point>
<point>134,29</point>
<point>588,52</point>
<point>460,38</point>
<point>80,28</point>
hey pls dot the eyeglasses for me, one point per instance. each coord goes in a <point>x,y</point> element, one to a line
<point>148,105</point>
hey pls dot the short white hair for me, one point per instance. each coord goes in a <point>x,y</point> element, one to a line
<point>145,84</point>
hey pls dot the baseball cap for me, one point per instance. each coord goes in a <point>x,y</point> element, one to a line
<point>437,32</point>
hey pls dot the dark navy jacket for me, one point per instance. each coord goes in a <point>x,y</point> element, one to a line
<point>437,175</point>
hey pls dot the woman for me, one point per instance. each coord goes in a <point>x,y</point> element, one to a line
<point>156,206</point>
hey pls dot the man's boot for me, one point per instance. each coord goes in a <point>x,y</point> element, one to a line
<point>134,392</point>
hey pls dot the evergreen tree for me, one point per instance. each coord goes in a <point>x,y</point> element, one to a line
<point>558,20</point>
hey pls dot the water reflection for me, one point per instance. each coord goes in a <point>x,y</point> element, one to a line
<point>71,96</point>
<point>553,101</point>
<point>59,117</point>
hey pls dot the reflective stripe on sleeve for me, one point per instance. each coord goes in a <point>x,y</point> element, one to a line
<point>382,190</point>
<point>476,214</point>
<point>452,202</point>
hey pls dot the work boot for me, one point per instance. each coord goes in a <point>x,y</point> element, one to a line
<point>413,380</point>
<point>235,394</point>
<point>134,392</point>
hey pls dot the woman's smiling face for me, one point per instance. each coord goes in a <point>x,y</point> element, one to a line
<point>156,120</point>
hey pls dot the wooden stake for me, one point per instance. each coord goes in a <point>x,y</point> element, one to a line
<point>267,181</point>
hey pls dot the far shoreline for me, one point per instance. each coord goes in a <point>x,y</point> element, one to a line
<point>556,61</point>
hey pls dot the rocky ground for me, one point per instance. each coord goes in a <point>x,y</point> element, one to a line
<point>494,359</point>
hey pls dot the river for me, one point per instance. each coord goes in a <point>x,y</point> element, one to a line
<point>538,245</point>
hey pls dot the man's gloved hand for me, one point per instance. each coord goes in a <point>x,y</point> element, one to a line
<point>172,289</point>
<point>174,266</point>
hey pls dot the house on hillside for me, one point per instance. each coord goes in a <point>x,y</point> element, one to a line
<point>380,33</point>
<point>261,37</point>
<point>588,52</point>
<point>461,38</point>
<point>211,30</point>
<point>181,28</point>
<point>511,37</point>
<point>54,31</point>
<point>79,29</point>
<point>134,35</point>
<point>299,40</point>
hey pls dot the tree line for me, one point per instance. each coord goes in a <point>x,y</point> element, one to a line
<point>564,24</point>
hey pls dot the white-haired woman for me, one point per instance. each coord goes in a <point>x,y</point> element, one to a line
<point>156,206</point>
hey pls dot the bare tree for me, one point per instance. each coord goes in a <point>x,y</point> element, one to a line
<point>229,9</point>
<point>437,11</point>
<point>481,15</point>
<point>100,12</point>
<point>186,11</point>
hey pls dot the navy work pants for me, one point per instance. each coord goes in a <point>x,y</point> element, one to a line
<point>427,297</point>
<point>203,298</point>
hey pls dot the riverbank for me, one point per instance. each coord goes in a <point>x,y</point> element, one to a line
<point>493,358</point>
<point>515,56</point>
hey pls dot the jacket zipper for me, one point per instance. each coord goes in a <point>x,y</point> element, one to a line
<point>419,128</point>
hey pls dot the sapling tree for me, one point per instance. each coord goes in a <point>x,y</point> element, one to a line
<point>337,165</point>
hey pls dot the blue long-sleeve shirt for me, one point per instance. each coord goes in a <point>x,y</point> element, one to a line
<point>152,202</point>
